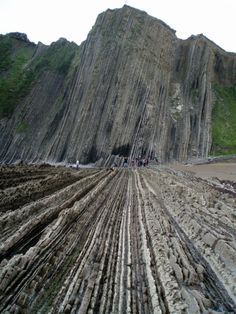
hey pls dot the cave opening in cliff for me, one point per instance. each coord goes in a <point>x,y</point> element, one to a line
<point>123,150</point>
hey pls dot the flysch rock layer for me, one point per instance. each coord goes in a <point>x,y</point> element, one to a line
<point>133,88</point>
<point>115,241</point>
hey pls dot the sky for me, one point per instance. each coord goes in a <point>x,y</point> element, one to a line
<point>48,20</point>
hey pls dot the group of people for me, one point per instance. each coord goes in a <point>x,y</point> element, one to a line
<point>136,162</point>
<point>140,162</point>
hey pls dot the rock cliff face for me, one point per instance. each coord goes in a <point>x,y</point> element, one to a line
<point>132,88</point>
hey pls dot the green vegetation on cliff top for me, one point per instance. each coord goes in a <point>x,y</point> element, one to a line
<point>57,57</point>
<point>18,72</point>
<point>14,79</point>
<point>224,121</point>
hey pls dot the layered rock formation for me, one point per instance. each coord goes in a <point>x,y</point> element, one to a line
<point>123,241</point>
<point>132,88</point>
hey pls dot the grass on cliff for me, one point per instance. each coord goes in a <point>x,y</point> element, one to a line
<point>5,53</point>
<point>17,76</point>
<point>15,81</point>
<point>224,121</point>
<point>57,57</point>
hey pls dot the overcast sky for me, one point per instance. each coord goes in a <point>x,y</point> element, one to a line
<point>48,20</point>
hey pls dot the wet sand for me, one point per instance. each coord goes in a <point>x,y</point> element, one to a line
<point>220,170</point>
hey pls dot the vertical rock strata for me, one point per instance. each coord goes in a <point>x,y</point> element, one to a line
<point>131,88</point>
<point>122,241</point>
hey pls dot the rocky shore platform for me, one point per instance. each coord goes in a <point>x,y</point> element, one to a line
<point>141,240</point>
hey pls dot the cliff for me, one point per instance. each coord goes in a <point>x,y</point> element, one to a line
<point>132,88</point>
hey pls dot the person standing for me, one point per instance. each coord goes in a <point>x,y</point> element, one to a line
<point>77,164</point>
<point>125,163</point>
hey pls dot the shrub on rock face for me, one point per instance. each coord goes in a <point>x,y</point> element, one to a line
<point>224,121</point>
<point>15,77</point>
<point>18,70</point>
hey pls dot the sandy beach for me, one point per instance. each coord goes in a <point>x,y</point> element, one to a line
<point>220,170</point>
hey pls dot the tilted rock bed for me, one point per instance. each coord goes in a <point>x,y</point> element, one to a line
<point>116,241</point>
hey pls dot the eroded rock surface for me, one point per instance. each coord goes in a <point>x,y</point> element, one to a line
<point>116,241</point>
<point>131,88</point>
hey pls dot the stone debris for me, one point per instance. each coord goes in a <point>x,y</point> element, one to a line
<point>147,240</point>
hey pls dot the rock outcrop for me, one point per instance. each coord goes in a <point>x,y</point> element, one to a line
<point>115,241</point>
<point>132,88</point>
